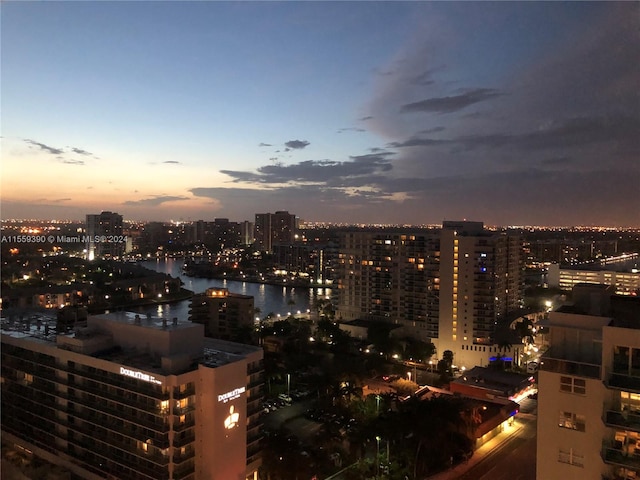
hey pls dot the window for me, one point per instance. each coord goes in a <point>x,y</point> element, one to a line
<point>621,359</point>
<point>571,457</point>
<point>572,421</point>
<point>573,385</point>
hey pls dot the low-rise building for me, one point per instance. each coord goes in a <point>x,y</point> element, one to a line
<point>221,312</point>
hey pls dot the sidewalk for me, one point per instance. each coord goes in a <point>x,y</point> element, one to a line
<point>485,450</point>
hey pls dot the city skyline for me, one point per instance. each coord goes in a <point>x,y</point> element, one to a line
<point>366,112</point>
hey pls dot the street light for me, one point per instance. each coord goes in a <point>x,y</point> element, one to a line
<point>377,403</point>
<point>377,456</point>
<point>288,383</point>
<point>409,375</point>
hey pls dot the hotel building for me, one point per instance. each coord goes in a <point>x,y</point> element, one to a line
<point>589,389</point>
<point>451,287</point>
<point>133,398</point>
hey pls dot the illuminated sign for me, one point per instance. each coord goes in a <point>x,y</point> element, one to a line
<point>139,375</point>
<point>232,420</point>
<point>225,397</point>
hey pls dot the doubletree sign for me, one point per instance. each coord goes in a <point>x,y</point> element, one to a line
<point>139,375</point>
<point>231,395</point>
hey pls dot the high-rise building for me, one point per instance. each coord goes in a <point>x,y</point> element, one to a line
<point>589,389</point>
<point>131,397</point>
<point>220,233</point>
<point>222,313</point>
<point>390,276</point>
<point>451,287</point>
<point>104,237</point>
<point>481,281</point>
<point>274,229</point>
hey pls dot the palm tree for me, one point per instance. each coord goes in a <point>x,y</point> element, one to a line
<point>524,328</point>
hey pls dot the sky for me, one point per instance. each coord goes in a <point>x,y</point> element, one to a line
<point>360,112</point>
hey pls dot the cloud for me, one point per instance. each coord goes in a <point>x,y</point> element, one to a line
<point>262,144</point>
<point>451,103</point>
<point>70,161</point>
<point>46,148</point>
<point>432,130</point>
<point>572,132</point>
<point>351,129</point>
<point>364,119</point>
<point>173,162</point>
<point>297,144</point>
<point>79,151</point>
<point>154,201</point>
<point>329,173</point>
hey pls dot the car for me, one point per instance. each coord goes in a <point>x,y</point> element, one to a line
<point>532,367</point>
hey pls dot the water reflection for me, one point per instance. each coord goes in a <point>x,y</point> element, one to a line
<point>268,298</point>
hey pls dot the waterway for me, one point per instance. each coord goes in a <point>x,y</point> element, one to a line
<point>268,298</point>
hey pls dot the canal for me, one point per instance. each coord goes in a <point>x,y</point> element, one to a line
<point>268,298</point>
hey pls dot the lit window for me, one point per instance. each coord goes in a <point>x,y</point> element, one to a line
<point>572,421</point>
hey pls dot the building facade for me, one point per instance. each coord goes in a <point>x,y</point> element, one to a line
<point>625,283</point>
<point>132,398</point>
<point>481,282</point>
<point>451,286</point>
<point>272,229</point>
<point>222,313</point>
<point>104,236</point>
<point>589,389</point>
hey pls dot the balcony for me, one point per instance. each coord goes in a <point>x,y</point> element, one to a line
<point>621,381</point>
<point>569,367</point>
<point>183,471</point>
<point>188,422</point>
<point>623,420</point>
<point>187,392</point>
<point>615,455</point>
<point>184,439</point>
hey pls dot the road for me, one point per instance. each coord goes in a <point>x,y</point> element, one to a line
<point>514,459</point>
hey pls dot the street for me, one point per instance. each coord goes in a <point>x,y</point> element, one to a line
<point>514,459</point>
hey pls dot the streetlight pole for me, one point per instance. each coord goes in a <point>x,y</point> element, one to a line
<point>377,456</point>
<point>288,383</point>
<point>377,403</point>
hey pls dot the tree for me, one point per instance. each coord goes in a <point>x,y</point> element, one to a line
<point>524,329</point>
<point>418,350</point>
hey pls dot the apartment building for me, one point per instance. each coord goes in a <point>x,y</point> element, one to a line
<point>221,312</point>
<point>481,282</point>
<point>589,389</point>
<point>390,276</point>
<point>133,398</point>
<point>450,286</point>
<point>274,229</point>
<point>104,236</point>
